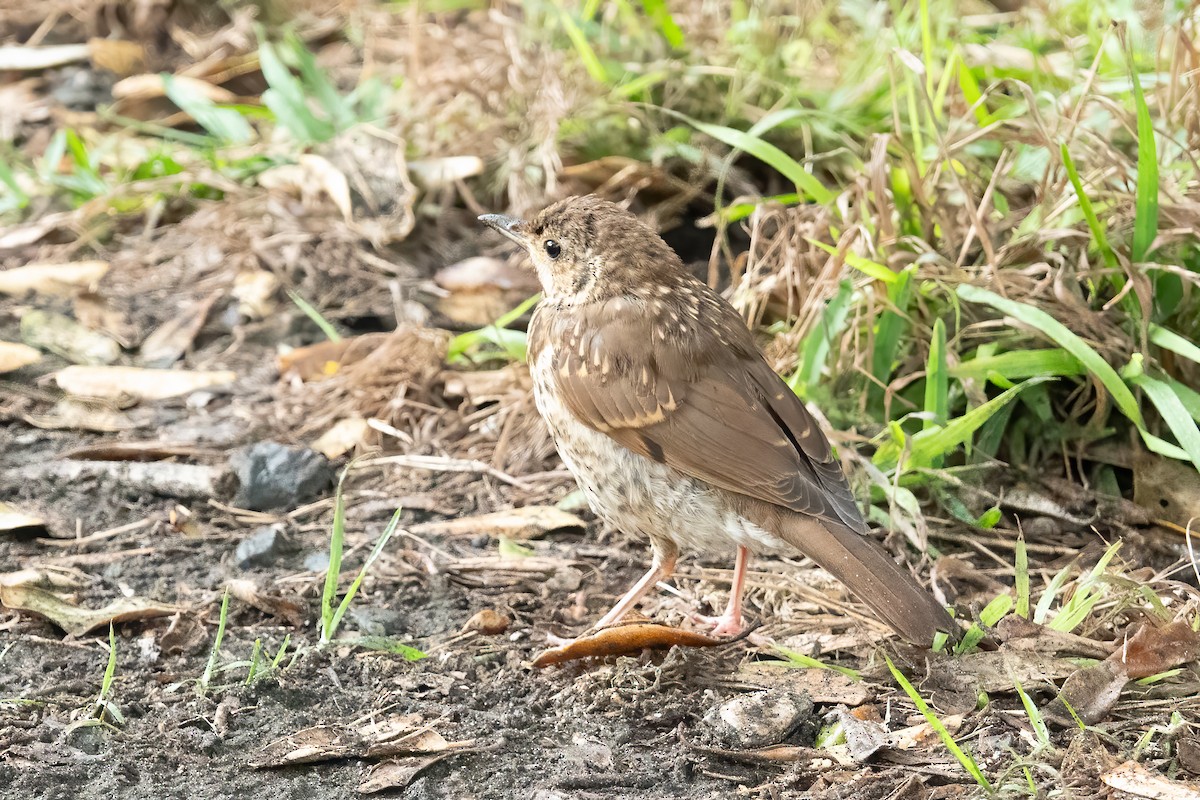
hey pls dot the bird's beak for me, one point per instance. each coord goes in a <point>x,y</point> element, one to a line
<point>508,226</point>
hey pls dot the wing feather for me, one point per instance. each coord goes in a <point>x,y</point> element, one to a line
<point>712,408</point>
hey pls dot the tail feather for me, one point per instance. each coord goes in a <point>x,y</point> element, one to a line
<point>870,573</point>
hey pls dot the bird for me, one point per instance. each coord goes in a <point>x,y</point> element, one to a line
<point>675,426</point>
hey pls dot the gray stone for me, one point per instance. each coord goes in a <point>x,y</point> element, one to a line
<point>262,547</point>
<point>274,476</point>
<point>758,719</point>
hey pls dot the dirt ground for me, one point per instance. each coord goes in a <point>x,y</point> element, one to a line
<point>630,726</point>
<point>144,507</point>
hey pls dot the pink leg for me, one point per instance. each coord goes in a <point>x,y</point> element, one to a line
<point>661,568</point>
<point>730,623</point>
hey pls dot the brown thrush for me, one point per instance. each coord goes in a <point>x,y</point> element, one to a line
<point>676,427</point>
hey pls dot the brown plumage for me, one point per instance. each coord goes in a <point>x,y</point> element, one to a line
<point>674,424</point>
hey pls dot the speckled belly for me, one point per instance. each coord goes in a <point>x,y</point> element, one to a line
<point>638,495</point>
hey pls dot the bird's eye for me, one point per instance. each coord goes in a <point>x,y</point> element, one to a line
<point>553,248</point>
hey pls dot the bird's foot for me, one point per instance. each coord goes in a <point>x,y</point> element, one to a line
<point>725,625</point>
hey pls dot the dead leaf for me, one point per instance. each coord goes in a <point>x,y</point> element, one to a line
<point>14,356</point>
<point>311,176</point>
<point>59,334</point>
<point>254,289</point>
<point>527,522</point>
<point>55,279</point>
<point>436,173</point>
<point>1132,778</point>
<point>73,415</point>
<point>481,273</point>
<point>325,359</point>
<point>13,519</point>
<point>171,340</point>
<point>396,773</point>
<point>138,451</point>
<point>75,620</point>
<point>1152,649</point>
<point>824,686</point>
<point>344,436</point>
<point>1092,691</point>
<point>289,611</point>
<point>27,58</point>
<point>119,56</point>
<point>488,622</point>
<point>150,86</point>
<point>94,311</point>
<point>487,385</point>
<point>136,382</point>
<point>310,746</point>
<point>622,640</point>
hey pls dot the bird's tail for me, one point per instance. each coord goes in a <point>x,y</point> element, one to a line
<point>870,573</point>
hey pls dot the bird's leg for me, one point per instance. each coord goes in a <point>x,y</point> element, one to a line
<point>730,623</point>
<point>661,568</point>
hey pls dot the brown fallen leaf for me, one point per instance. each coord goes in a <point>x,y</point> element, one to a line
<point>289,611</point>
<point>325,359</point>
<point>59,334</point>
<point>74,415</point>
<point>310,746</point>
<point>139,451</point>
<point>52,278</point>
<point>142,384</point>
<point>527,522</point>
<point>398,735</point>
<point>342,437</point>
<point>150,85</point>
<point>171,340</point>
<point>824,686</point>
<point>1092,691</point>
<point>75,620</point>
<point>488,622</point>
<point>619,640</point>
<point>13,519</point>
<point>1132,778</point>
<point>1153,649</point>
<point>396,773</point>
<point>13,356</point>
<point>119,56</point>
<point>310,177</point>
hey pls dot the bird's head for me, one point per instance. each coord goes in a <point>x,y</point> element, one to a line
<point>587,249</point>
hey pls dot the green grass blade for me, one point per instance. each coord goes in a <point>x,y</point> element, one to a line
<point>587,55</point>
<point>928,444</point>
<point>1064,338</point>
<point>337,537</point>
<point>937,378</point>
<point>215,653</point>
<point>968,763</point>
<point>1174,413</point>
<point>309,311</point>
<point>1145,218</point>
<point>889,335</point>
<point>798,659</point>
<point>1035,716</point>
<point>380,543</point>
<point>657,10</point>
<point>1179,345</point>
<point>814,349</point>
<point>766,152</point>
<point>1089,213</point>
<point>1018,365</point>
<point>1022,579</point>
<point>872,269</point>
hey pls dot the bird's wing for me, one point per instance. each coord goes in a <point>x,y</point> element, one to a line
<point>702,401</point>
